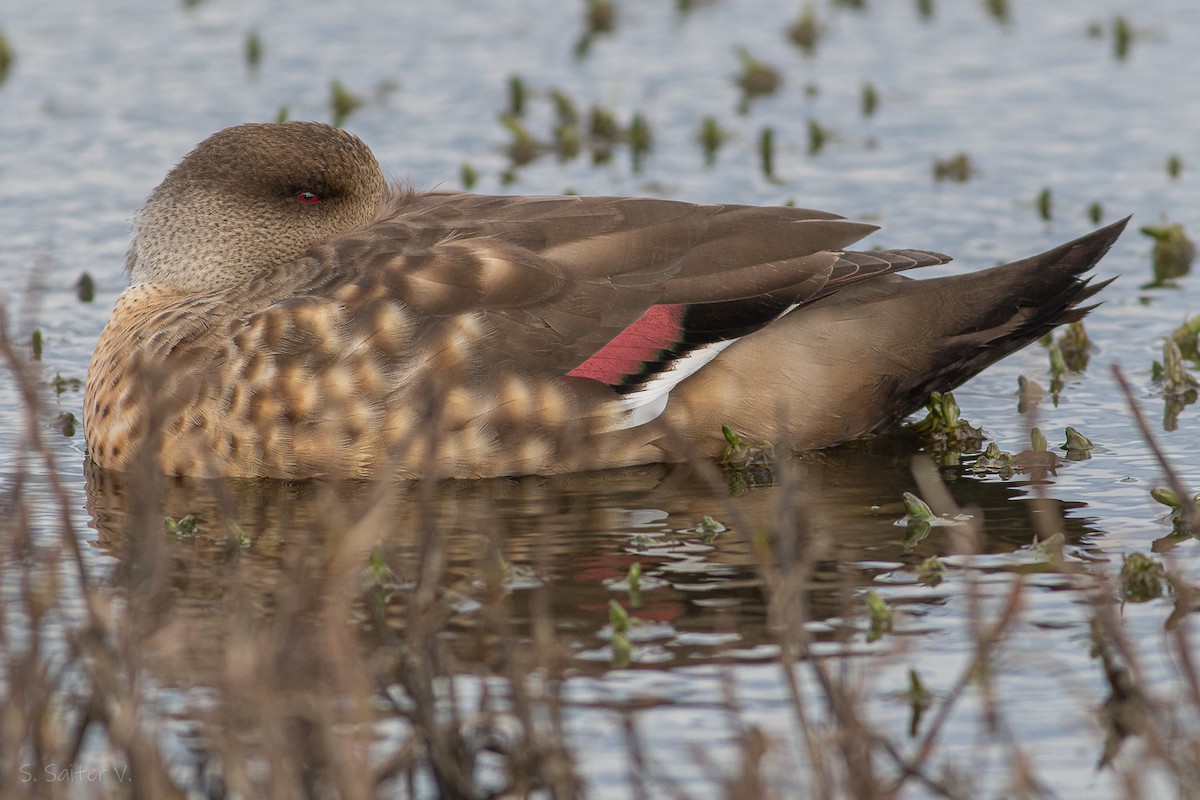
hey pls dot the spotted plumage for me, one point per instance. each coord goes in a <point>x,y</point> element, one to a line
<point>291,315</point>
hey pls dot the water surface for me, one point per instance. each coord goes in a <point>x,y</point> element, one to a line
<point>102,99</point>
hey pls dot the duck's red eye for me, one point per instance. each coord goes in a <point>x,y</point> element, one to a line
<point>308,197</point>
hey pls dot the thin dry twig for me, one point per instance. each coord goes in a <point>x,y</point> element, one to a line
<point>1191,514</point>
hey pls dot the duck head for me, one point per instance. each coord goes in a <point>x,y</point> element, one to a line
<point>250,198</point>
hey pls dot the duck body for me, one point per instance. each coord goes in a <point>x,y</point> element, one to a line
<point>291,315</point>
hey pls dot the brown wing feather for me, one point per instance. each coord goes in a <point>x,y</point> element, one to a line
<point>555,278</point>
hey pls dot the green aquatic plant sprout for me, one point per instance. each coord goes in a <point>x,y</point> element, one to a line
<point>741,452</point>
<point>85,288</point>
<point>999,10</point>
<point>66,423</point>
<point>567,142</point>
<point>709,528</point>
<point>805,32</point>
<point>957,168</point>
<point>1187,338</point>
<point>1172,372</point>
<point>746,463</point>
<point>235,540</point>
<point>1179,509</point>
<point>1174,166</point>
<point>757,79</point>
<point>1173,252</point>
<point>943,412</point>
<point>564,108</point>
<point>711,137</point>
<point>1122,37</point>
<point>599,19</point>
<point>252,51</point>
<point>1167,497</point>
<point>618,618</point>
<point>522,147</point>
<point>184,526</point>
<point>640,140</point>
<point>604,133</point>
<point>634,580</point>
<point>766,152</point>
<point>818,135</point>
<point>1142,578</point>
<point>601,16</point>
<point>634,576</point>
<point>944,430</point>
<point>1078,446</point>
<point>870,99</point>
<point>1029,394</point>
<point>1075,346</point>
<point>60,384</point>
<point>1045,204</point>
<point>917,509</point>
<point>1038,459</point>
<point>994,460</point>
<point>468,176</point>
<point>7,57</point>
<point>379,583</point>
<point>516,95</point>
<point>567,137</point>
<point>931,571</point>
<point>1050,549</point>
<point>342,102</point>
<point>919,520</point>
<point>1180,387</point>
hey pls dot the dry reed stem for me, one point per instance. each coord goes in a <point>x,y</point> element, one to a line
<point>298,691</point>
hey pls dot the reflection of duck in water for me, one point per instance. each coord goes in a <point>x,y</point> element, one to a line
<point>577,533</point>
<point>291,315</point>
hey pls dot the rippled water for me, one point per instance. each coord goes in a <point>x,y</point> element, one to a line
<point>103,98</point>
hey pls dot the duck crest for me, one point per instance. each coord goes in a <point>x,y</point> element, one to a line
<point>378,331</point>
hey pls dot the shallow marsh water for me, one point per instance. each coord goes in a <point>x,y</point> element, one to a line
<point>103,98</point>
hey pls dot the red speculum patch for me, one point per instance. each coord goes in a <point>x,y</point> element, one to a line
<point>641,342</point>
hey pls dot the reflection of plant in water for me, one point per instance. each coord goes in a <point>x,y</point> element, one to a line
<point>1179,386</point>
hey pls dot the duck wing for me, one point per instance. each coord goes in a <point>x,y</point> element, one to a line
<point>564,283</point>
